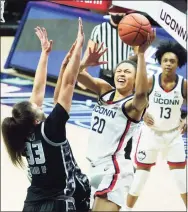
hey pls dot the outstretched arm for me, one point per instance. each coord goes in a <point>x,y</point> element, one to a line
<point>71,72</point>
<point>39,84</point>
<point>62,69</point>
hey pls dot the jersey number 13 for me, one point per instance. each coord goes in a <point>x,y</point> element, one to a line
<point>165,112</point>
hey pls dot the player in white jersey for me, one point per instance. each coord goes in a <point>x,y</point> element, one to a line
<point>113,121</point>
<point>167,91</point>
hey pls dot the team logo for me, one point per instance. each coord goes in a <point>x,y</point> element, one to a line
<point>141,155</point>
<point>176,94</point>
<point>2,10</point>
<point>157,94</point>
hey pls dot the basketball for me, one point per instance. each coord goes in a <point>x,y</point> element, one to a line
<point>133,29</point>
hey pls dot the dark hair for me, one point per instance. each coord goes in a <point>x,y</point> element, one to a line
<point>126,61</point>
<point>16,129</point>
<point>173,47</point>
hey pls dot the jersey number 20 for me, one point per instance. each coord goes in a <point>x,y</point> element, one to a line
<point>165,112</point>
<point>99,125</point>
<point>39,157</point>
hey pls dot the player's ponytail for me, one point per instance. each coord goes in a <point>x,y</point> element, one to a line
<point>16,129</point>
<point>13,146</point>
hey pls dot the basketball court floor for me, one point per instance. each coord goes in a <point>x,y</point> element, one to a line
<point>159,194</point>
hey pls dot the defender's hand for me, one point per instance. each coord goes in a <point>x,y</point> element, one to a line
<point>43,37</point>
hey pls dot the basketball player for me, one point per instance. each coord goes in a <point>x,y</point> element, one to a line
<point>57,183</point>
<point>167,90</point>
<point>113,121</point>
<point>58,86</point>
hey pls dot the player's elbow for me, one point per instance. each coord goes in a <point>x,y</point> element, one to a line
<point>140,95</point>
<point>69,78</point>
<point>140,102</point>
<point>70,82</point>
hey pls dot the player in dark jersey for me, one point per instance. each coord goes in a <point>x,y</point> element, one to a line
<point>57,183</point>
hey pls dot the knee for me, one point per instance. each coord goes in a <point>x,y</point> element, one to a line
<point>140,179</point>
<point>179,175</point>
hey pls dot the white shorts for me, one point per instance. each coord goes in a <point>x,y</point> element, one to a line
<point>150,142</point>
<point>111,178</point>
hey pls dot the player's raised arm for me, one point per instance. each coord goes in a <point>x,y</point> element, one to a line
<point>139,102</point>
<point>71,72</point>
<point>92,58</point>
<point>39,85</point>
<point>141,84</point>
<point>62,69</point>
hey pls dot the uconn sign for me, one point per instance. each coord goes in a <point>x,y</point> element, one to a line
<point>171,21</point>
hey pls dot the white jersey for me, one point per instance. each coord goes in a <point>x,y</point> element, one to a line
<point>111,128</point>
<point>165,107</point>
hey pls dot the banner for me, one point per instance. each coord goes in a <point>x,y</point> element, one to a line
<point>174,22</point>
<point>100,5</point>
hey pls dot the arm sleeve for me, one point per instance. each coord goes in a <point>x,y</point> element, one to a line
<point>53,128</point>
<point>94,34</point>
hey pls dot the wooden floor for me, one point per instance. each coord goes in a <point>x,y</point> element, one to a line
<point>159,194</point>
